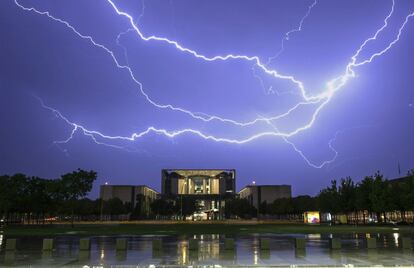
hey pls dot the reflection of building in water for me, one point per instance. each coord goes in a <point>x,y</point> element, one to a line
<point>182,252</point>
<point>258,194</point>
<point>208,249</point>
<point>209,187</point>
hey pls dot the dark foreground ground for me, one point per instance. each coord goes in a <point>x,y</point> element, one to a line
<point>177,228</point>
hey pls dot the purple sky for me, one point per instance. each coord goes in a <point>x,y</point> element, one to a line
<point>369,121</point>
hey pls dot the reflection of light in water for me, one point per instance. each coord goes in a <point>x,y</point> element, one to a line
<point>256,244</point>
<point>355,235</point>
<point>209,249</point>
<point>182,249</point>
<point>314,236</point>
<point>396,236</point>
<point>256,257</point>
<point>1,240</point>
<point>102,254</point>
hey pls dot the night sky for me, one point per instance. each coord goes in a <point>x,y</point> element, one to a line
<point>369,121</point>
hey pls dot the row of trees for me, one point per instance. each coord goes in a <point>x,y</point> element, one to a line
<point>21,195</point>
<point>37,199</point>
<point>170,207</point>
<point>373,194</point>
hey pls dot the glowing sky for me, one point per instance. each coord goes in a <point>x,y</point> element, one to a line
<point>129,87</point>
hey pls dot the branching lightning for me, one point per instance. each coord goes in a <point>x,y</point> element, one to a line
<point>118,42</point>
<point>320,100</point>
<point>118,38</point>
<point>286,36</point>
<point>304,157</point>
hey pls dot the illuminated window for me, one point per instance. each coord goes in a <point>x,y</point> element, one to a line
<point>182,186</point>
<point>198,185</point>
<point>214,186</point>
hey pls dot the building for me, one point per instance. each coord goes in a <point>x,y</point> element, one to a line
<point>133,194</point>
<point>258,194</point>
<point>405,179</point>
<point>209,187</point>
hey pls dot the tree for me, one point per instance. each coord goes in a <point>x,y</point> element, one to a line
<point>6,195</point>
<point>408,193</point>
<point>138,212</point>
<point>240,207</point>
<point>378,195</point>
<point>282,206</point>
<point>162,207</point>
<point>37,197</point>
<point>185,206</point>
<point>304,203</point>
<point>76,185</point>
<point>362,196</point>
<point>87,207</point>
<point>264,208</point>
<point>13,192</point>
<point>329,199</point>
<point>114,206</point>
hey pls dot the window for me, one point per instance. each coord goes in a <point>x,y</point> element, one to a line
<point>198,185</point>
<point>214,186</point>
<point>182,186</point>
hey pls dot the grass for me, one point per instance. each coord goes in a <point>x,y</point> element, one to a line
<point>155,228</point>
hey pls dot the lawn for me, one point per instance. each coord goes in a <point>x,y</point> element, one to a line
<point>154,228</point>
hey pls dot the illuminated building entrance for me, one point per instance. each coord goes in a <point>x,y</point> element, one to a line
<point>210,188</point>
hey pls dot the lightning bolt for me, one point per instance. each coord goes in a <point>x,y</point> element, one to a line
<point>118,38</point>
<point>94,134</point>
<point>75,127</point>
<point>286,36</point>
<point>330,145</point>
<point>196,115</point>
<point>321,99</point>
<point>142,11</point>
<point>255,59</point>
<point>304,157</point>
<point>124,49</point>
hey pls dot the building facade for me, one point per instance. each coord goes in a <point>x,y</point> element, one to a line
<point>258,194</point>
<point>209,187</point>
<point>141,195</point>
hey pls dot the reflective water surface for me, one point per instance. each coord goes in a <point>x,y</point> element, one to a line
<point>209,251</point>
